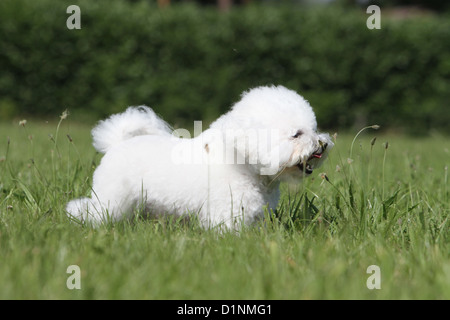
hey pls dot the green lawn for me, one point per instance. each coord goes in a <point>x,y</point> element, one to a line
<point>387,207</point>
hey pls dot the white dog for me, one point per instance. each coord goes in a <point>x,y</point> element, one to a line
<point>227,175</point>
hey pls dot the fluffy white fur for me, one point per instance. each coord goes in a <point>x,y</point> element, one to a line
<point>227,175</point>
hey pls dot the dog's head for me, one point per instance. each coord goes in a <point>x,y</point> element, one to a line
<point>274,130</point>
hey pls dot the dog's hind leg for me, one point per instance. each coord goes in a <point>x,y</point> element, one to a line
<point>86,210</point>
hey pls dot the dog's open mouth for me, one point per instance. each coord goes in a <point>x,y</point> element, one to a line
<point>309,167</point>
<point>313,159</point>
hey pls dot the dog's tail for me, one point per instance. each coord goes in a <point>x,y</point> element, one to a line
<point>135,121</point>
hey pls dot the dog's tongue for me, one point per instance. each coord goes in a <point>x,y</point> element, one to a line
<point>318,156</point>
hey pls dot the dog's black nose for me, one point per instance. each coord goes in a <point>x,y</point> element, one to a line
<point>323,145</point>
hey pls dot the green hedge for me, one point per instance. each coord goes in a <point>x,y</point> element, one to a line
<point>191,63</point>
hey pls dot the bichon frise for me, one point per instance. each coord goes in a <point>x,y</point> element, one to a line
<point>227,175</point>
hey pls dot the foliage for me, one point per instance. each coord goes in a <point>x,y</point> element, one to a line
<point>191,63</point>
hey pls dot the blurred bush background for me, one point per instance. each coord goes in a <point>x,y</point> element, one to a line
<point>190,61</point>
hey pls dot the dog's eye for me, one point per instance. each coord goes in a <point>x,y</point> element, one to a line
<point>297,134</point>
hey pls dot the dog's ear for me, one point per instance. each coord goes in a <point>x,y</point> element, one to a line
<point>274,159</point>
<point>265,149</point>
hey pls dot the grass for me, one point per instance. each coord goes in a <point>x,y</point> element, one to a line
<point>387,206</point>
